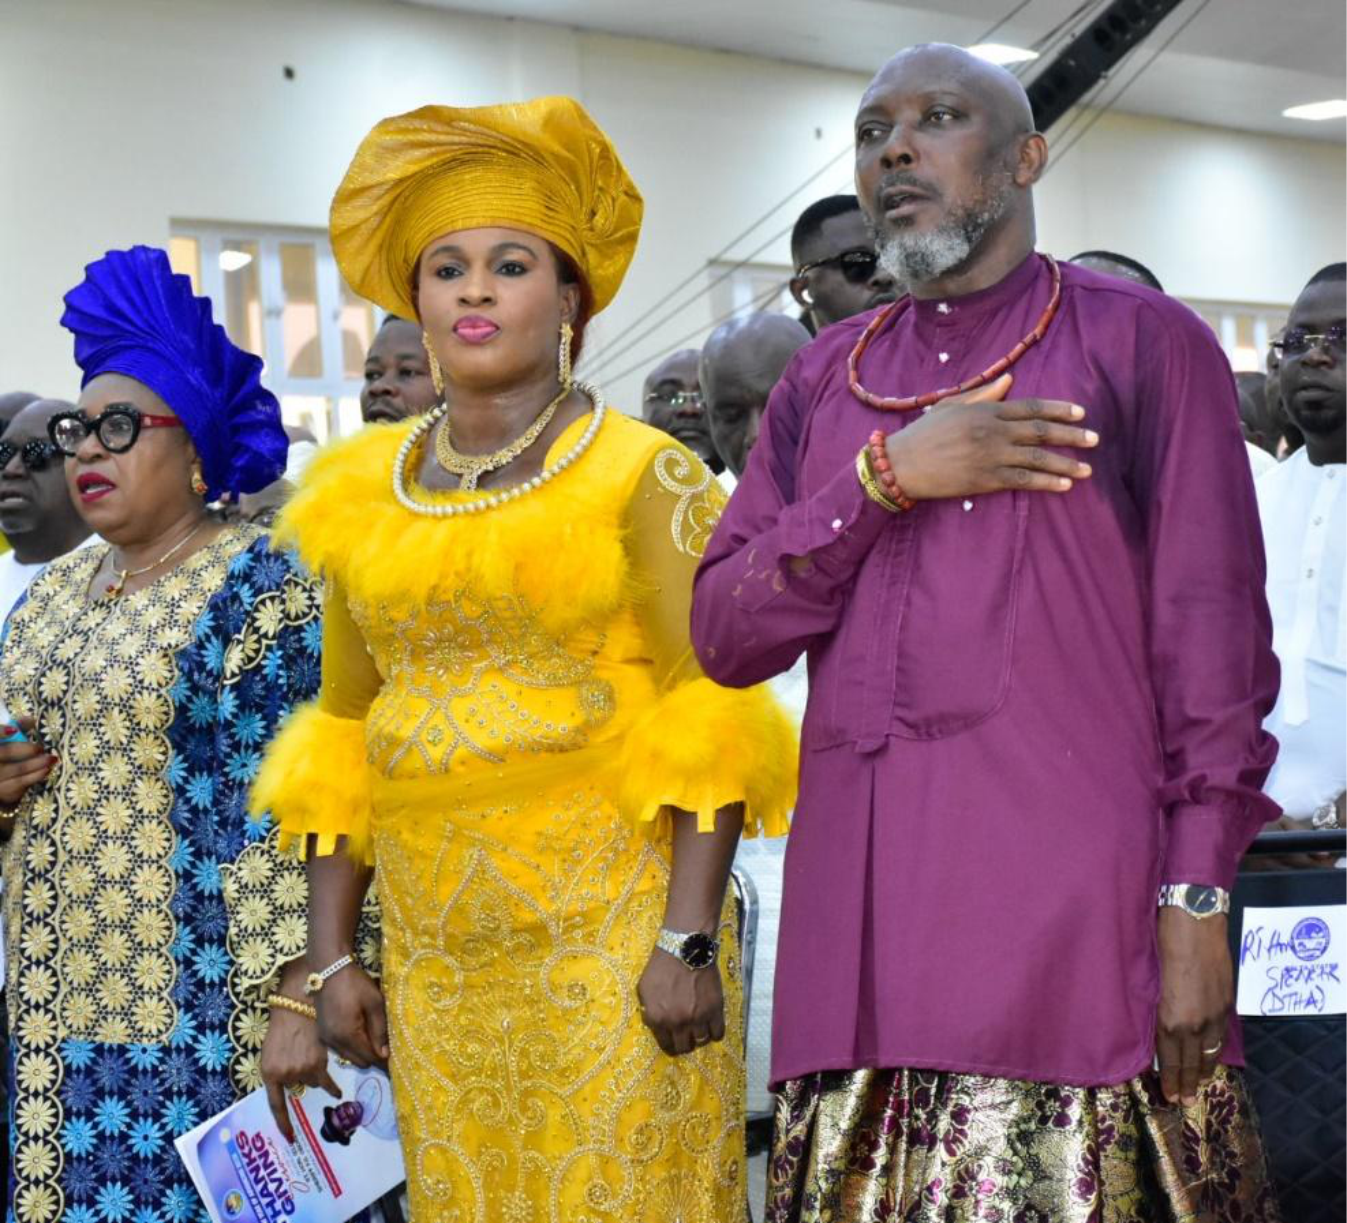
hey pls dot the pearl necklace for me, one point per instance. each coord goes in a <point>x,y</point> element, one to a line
<point>490,501</point>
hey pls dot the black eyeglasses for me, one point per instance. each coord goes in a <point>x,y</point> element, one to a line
<point>858,266</point>
<point>36,455</point>
<point>117,428</point>
<point>1296,342</point>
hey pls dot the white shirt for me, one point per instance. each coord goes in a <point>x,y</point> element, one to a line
<point>1259,459</point>
<point>1304,514</point>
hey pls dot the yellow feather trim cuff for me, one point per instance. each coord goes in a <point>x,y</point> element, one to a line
<point>702,747</point>
<point>314,780</point>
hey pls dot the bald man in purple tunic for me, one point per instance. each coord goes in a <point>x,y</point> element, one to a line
<point>1033,751</point>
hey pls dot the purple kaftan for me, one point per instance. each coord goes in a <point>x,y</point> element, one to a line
<point>1026,710</point>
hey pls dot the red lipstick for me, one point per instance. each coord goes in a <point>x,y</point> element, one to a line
<point>92,486</point>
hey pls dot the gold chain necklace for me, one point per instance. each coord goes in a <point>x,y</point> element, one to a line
<point>472,467</point>
<point>114,589</point>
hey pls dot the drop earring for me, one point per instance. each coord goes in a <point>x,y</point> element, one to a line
<point>436,373</point>
<point>564,374</point>
<point>199,485</point>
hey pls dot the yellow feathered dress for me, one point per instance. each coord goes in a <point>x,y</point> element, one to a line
<point>509,703</point>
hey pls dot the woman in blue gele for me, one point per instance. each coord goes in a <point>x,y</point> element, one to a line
<point>148,919</point>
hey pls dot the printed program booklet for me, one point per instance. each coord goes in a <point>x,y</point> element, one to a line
<point>346,1154</point>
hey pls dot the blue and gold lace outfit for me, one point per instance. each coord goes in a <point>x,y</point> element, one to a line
<point>145,912</point>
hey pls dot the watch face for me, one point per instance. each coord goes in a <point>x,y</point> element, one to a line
<point>1201,901</point>
<point>698,951</point>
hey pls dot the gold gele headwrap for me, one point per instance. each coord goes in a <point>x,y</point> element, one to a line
<point>542,166</point>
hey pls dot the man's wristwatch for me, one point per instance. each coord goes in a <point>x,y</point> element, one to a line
<point>696,950</point>
<point>1195,899</point>
<point>1326,816</point>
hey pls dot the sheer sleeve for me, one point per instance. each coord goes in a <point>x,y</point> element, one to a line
<point>351,681</point>
<point>672,514</point>
<point>315,777</point>
<point>698,747</point>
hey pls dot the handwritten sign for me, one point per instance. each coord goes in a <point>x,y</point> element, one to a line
<point>1292,961</point>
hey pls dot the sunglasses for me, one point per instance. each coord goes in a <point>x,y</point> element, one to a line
<point>1297,341</point>
<point>36,455</point>
<point>117,428</point>
<point>858,266</point>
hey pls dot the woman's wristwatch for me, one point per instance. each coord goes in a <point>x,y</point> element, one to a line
<point>696,950</point>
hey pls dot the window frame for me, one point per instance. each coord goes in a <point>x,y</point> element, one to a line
<point>339,391</point>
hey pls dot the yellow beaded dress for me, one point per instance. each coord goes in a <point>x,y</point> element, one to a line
<point>509,705</point>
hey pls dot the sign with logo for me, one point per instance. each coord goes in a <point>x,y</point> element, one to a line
<point>1292,960</point>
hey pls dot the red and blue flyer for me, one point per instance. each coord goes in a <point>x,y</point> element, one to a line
<point>345,1155</point>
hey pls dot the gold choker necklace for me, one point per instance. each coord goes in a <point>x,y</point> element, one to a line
<point>499,497</point>
<point>472,467</point>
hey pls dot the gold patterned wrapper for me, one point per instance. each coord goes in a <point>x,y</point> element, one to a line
<point>909,1146</point>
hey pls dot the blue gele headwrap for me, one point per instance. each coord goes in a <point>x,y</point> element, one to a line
<point>132,315</point>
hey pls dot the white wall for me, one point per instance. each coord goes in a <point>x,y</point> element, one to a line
<point>117,117</point>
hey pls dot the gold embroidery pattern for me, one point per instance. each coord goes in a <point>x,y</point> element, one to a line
<point>298,602</point>
<point>475,677</point>
<point>700,500</point>
<point>267,895</point>
<point>528,1087</point>
<point>88,880</point>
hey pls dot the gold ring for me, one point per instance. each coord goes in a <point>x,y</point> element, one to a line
<point>295,1090</point>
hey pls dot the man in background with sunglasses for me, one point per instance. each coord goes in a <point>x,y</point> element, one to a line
<point>1303,506</point>
<point>36,513</point>
<point>837,273</point>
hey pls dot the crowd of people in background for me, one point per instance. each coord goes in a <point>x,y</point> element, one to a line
<point>253,699</point>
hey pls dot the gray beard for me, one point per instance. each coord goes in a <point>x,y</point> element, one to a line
<point>916,258</point>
